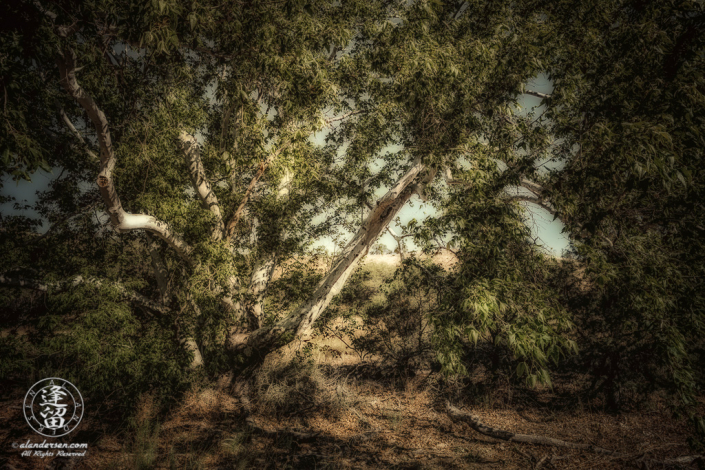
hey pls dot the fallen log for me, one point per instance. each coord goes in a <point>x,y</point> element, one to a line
<point>475,423</point>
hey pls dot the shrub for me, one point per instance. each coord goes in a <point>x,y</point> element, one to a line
<point>397,329</point>
<point>294,386</point>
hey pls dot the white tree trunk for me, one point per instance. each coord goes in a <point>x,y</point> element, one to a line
<point>258,288</point>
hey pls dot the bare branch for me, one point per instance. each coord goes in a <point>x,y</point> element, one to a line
<point>120,220</point>
<point>398,237</point>
<point>232,223</point>
<point>205,193</point>
<point>61,286</point>
<point>344,116</point>
<point>75,132</point>
<point>537,94</point>
<point>400,241</point>
<point>300,322</point>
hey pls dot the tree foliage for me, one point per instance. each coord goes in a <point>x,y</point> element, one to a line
<point>191,186</point>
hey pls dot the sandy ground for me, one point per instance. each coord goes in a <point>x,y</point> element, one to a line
<point>385,423</point>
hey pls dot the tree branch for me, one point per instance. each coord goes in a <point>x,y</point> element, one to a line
<point>120,220</point>
<point>232,223</point>
<point>535,189</point>
<point>537,94</point>
<point>537,197</point>
<point>400,241</point>
<point>259,280</point>
<point>450,181</point>
<point>200,183</point>
<point>300,322</point>
<point>344,116</point>
<point>61,286</point>
<point>535,200</point>
<point>60,30</point>
<point>75,132</point>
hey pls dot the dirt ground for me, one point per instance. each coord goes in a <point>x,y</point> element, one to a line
<point>385,423</point>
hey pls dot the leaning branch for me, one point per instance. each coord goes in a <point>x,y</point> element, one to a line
<point>61,286</point>
<point>300,322</point>
<point>200,183</point>
<point>120,220</point>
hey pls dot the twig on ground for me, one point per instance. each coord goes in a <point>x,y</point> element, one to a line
<point>540,463</point>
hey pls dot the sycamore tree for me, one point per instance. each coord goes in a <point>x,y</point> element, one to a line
<point>186,140</point>
<point>184,132</point>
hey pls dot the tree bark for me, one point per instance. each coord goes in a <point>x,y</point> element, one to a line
<point>258,288</point>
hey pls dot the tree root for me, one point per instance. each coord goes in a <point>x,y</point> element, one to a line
<point>475,423</point>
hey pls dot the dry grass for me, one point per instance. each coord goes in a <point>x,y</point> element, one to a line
<point>359,422</point>
<point>292,386</point>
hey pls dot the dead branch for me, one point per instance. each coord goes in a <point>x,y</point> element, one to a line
<point>475,423</point>
<point>538,94</point>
